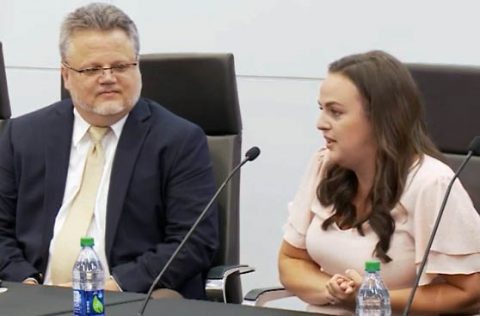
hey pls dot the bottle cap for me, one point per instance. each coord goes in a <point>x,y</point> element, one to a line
<point>87,242</point>
<point>372,266</point>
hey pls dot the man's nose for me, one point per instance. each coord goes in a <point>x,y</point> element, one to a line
<point>108,75</point>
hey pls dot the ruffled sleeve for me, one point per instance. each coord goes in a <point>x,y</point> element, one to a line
<point>456,247</point>
<point>299,209</point>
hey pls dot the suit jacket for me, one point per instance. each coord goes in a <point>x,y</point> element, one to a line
<point>160,182</point>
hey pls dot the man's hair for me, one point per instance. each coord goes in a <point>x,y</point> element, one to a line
<point>393,106</point>
<point>97,16</point>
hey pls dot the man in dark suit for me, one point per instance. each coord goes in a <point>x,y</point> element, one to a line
<point>156,177</point>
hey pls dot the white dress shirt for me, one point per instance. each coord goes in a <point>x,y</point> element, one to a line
<point>78,153</point>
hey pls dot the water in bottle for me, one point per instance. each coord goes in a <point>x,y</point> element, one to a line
<point>88,281</point>
<point>373,298</point>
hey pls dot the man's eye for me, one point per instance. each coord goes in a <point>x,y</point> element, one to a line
<point>92,71</point>
<point>120,68</point>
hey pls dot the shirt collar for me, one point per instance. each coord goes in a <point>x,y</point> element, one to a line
<point>80,127</point>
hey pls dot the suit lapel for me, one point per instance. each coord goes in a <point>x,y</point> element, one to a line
<point>58,130</point>
<point>128,148</point>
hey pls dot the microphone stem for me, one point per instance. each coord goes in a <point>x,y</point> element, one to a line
<point>432,236</point>
<point>187,236</point>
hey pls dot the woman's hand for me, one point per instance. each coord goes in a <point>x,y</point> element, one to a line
<point>343,288</point>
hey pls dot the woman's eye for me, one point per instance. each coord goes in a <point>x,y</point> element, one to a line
<point>335,112</point>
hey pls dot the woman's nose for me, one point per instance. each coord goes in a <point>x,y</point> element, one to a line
<point>322,121</point>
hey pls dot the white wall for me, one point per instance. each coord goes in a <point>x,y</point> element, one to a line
<point>281,47</point>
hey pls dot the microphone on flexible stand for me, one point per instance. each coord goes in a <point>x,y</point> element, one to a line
<point>473,149</point>
<point>251,155</point>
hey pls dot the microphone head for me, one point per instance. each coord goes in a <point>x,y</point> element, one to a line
<point>252,153</point>
<point>475,146</point>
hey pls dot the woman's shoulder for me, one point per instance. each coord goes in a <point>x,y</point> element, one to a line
<point>435,163</point>
<point>428,170</point>
<point>428,179</point>
<point>426,174</point>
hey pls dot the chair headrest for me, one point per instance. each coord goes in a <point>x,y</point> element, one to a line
<point>451,95</point>
<point>200,87</point>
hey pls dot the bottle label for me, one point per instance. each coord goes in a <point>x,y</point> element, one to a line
<point>88,303</point>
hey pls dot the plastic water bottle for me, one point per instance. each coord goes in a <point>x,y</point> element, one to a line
<point>373,298</point>
<point>88,281</point>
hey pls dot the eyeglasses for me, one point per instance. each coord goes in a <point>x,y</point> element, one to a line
<point>98,71</point>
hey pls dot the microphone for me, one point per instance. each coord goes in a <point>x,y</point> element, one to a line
<point>473,149</point>
<point>250,155</point>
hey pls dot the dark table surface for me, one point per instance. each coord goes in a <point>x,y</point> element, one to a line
<point>36,300</point>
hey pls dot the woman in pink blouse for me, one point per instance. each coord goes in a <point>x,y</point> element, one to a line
<point>374,192</point>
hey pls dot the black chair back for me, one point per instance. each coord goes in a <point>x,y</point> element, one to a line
<point>202,88</point>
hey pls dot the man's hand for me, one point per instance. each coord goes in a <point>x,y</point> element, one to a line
<point>30,281</point>
<point>112,285</point>
<point>68,284</point>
